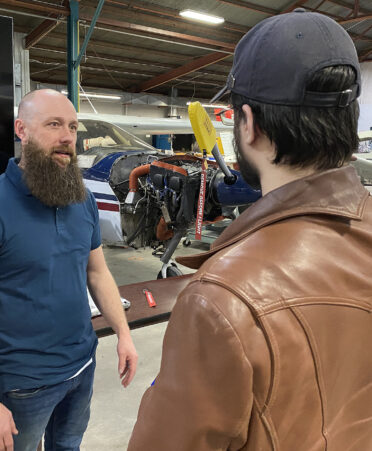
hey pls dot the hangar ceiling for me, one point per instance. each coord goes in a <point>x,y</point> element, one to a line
<point>146,46</point>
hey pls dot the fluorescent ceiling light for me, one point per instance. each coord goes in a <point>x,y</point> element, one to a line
<point>96,96</point>
<point>189,14</point>
<point>208,105</point>
<point>101,96</point>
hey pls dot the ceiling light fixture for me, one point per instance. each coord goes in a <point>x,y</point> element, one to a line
<point>96,96</point>
<point>208,105</point>
<point>202,17</point>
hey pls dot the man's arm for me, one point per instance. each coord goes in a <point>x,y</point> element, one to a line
<point>105,294</point>
<point>202,397</point>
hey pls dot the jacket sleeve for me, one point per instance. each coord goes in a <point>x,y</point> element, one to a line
<point>202,397</point>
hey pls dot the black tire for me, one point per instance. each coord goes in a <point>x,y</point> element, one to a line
<point>172,271</point>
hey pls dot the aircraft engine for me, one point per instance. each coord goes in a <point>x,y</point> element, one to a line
<point>159,197</point>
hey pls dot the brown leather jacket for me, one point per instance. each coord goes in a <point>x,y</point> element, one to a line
<point>270,345</point>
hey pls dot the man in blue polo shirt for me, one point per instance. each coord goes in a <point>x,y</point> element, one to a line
<point>50,249</point>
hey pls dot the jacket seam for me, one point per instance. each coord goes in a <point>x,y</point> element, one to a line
<point>296,302</point>
<point>275,376</point>
<point>318,369</point>
<point>266,423</point>
<point>284,303</point>
<point>269,344</point>
<point>242,351</point>
<point>203,277</point>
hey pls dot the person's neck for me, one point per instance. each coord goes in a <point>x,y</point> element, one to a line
<point>276,176</point>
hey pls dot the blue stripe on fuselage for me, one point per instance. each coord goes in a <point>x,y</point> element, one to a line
<point>105,196</point>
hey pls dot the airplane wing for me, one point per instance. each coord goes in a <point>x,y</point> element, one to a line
<point>149,125</point>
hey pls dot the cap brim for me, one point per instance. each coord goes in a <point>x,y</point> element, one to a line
<point>219,94</point>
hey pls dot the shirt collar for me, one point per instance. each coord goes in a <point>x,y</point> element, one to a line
<point>15,175</point>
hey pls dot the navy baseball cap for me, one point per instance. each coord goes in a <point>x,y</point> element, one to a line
<point>277,58</point>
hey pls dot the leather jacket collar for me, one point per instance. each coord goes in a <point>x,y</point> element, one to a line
<point>336,192</point>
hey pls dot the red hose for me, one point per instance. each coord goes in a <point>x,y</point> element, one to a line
<point>135,174</point>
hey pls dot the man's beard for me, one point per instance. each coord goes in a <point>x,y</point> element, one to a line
<point>52,185</point>
<point>248,171</point>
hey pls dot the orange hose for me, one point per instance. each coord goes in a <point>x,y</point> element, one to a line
<point>170,167</point>
<point>135,174</point>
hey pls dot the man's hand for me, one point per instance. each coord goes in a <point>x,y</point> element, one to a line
<point>7,429</point>
<point>127,360</point>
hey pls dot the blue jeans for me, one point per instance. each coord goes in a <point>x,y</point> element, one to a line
<point>61,410</point>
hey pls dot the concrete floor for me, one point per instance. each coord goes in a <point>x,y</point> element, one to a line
<point>114,409</point>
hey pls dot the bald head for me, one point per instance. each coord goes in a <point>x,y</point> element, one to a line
<point>41,101</point>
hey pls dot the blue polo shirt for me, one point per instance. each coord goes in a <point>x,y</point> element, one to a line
<point>46,334</point>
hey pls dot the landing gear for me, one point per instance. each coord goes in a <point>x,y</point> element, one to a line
<point>169,270</point>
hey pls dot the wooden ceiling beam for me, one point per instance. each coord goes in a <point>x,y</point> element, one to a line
<point>355,19</point>
<point>360,36</point>
<point>43,29</point>
<point>251,6</point>
<point>173,23</point>
<point>118,59</point>
<point>112,45</point>
<point>348,6</point>
<point>365,55</point>
<point>36,6</point>
<point>122,47</point>
<point>292,6</point>
<point>97,67</point>
<point>94,71</point>
<point>320,4</point>
<point>138,50</point>
<point>38,33</point>
<point>109,68</point>
<point>107,57</point>
<point>160,32</point>
<point>332,16</point>
<point>156,10</point>
<point>340,19</point>
<point>102,83</point>
<point>192,66</point>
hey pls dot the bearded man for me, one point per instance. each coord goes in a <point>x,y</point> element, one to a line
<point>269,346</point>
<point>50,250</point>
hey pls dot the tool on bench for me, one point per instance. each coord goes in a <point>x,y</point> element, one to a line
<point>149,298</point>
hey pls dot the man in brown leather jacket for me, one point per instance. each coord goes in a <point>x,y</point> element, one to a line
<point>269,346</point>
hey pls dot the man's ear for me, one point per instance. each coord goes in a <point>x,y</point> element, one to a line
<point>20,130</point>
<point>248,125</point>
